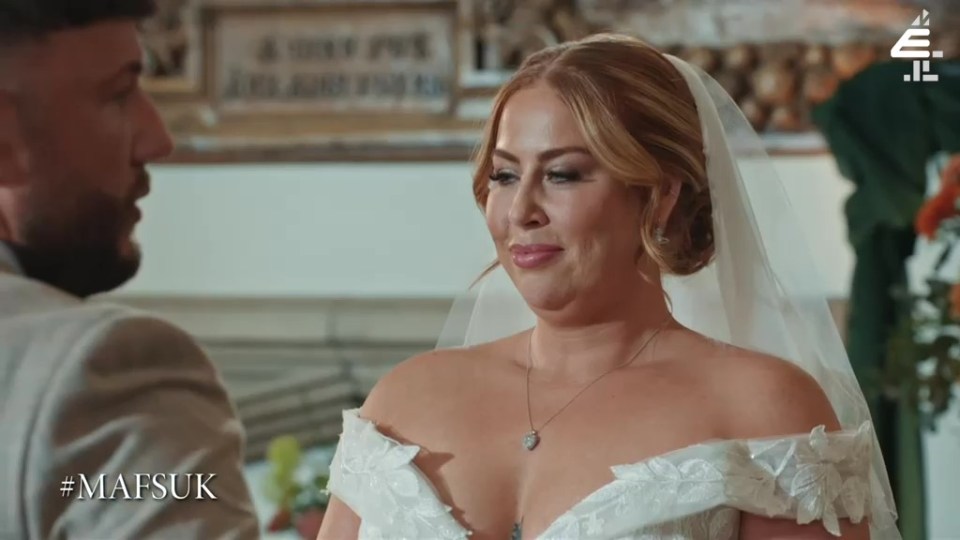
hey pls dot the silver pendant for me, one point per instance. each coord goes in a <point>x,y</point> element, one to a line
<point>531,440</point>
<point>517,533</point>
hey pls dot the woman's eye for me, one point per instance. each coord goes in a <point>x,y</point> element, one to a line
<point>563,176</point>
<point>557,177</point>
<point>501,177</point>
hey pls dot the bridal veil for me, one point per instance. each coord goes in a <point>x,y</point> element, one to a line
<point>761,291</point>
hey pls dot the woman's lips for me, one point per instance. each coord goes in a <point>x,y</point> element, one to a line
<point>529,256</point>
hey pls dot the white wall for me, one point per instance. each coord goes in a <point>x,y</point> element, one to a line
<point>368,229</point>
<point>943,475</point>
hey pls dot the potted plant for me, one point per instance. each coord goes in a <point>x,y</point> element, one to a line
<point>298,491</point>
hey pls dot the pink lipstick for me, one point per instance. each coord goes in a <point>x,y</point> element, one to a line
<point>530,256</point>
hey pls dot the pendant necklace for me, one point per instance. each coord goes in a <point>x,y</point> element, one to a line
<point>517,534</point>
<point>532,438</point>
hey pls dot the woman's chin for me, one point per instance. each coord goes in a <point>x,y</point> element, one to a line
<point>547,289</point>
<point>543,296</point>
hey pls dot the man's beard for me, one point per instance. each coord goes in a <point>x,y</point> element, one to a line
<point>78,251</point>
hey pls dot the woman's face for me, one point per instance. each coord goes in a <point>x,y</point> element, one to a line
<point>565,231</point>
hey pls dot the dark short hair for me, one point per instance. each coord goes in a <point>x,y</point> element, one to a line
<point>33,19</point>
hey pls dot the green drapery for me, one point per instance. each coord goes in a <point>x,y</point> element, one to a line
<point>882,132</point>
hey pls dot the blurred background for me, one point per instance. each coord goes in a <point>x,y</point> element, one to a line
<point>317,218</point>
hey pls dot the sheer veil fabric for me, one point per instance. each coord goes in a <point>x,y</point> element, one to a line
<point>761,292</point>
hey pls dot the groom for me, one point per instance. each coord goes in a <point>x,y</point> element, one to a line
<point>90,389</point>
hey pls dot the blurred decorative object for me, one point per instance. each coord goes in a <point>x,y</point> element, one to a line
<point>298,491</point>
<point>774,84</point>
<point>165,40</point>
<point>816,56</point>
<point>925,349</point>
<point>740,57</point>
<point>704,58</point>
<point>734,83</point>
<point>852,58</point>
<point>754,112</point>
<point>819,85</point>
<point>395,80</point>
<point>786,119</point>
<point>785,54</point>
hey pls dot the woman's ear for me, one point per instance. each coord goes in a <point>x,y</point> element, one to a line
<point>14,158</point>
<point>670,192</point>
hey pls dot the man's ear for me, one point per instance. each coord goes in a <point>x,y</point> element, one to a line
<point>14,157</point>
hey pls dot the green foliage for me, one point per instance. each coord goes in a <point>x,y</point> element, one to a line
<point>924,351</point>
<point>313,495</point>
<point>284,456</point>
<point>285,486</point>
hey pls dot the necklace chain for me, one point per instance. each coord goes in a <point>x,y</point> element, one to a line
<point>532,439</point>
<point>533,431</point>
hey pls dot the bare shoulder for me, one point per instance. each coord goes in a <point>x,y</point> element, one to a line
<point>766,396</point>
<point>420,389</point>
<point>409,381</point>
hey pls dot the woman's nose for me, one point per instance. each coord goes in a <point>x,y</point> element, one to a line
<point>526,209</point>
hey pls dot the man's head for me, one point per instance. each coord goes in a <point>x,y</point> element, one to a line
<point>76,133</point>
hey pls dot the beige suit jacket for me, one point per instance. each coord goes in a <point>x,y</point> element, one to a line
<point>94,389</point>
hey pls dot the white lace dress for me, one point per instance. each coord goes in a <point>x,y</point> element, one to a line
<point>695,493</point>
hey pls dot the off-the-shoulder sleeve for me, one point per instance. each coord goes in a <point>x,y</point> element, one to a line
<point>375,476</point>
<point>821,477</point>
<point>818,477</point>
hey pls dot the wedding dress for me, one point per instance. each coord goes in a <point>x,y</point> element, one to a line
<point>694,493</point>
<point>761,292</point>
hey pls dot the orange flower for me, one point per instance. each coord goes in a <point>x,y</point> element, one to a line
<point>955,300</point>
<point>937,209</point>
<point>951,171</point>
<point>944,204</point>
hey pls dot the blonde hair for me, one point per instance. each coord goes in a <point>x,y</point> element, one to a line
<point>640,122</point>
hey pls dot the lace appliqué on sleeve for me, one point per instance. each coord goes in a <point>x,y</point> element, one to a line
<point>818,477</point>
<point>823,477</point>
<point>374,476</point>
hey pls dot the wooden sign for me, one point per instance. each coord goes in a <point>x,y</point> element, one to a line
<point>357,61</point>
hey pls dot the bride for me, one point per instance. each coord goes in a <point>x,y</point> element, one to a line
<point>647,358</point>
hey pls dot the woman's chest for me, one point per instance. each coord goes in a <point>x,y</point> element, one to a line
<point>493,481</point>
